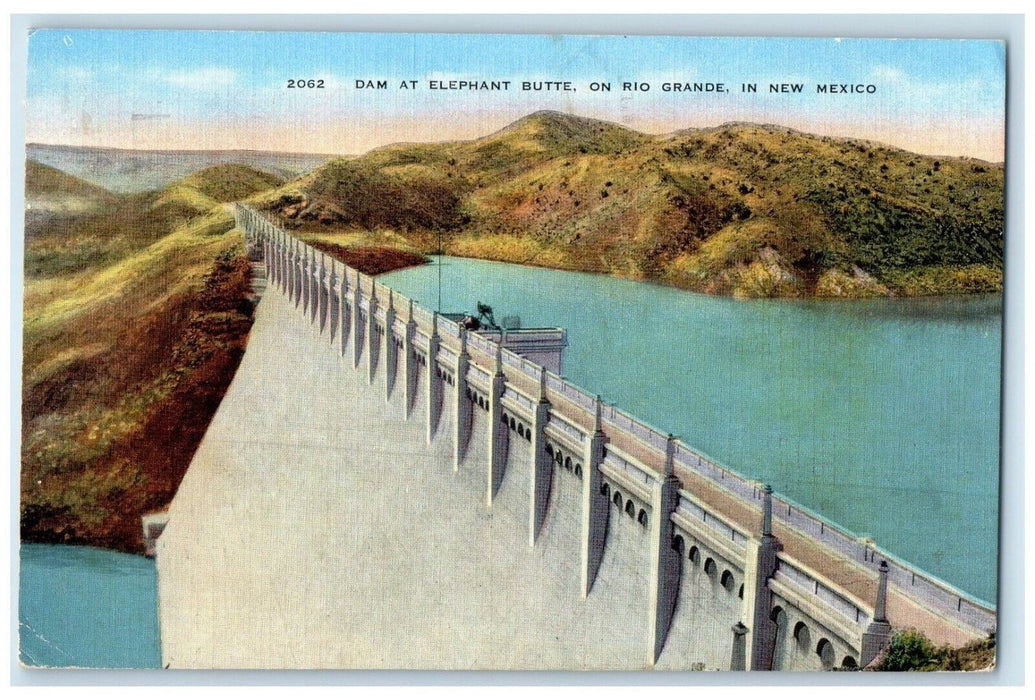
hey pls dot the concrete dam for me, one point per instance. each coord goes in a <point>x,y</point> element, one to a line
<point>381,488</point>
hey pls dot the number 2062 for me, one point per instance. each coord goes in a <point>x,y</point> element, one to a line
<point>311,83</point>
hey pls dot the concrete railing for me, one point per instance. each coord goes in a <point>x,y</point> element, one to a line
<point>814,584</point>
<point>933,593</point>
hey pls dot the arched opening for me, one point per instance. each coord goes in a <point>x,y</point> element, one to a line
<point>778,616</point>
<point>801,635</point>
<point>513,423</point>
<point>578,470</point>
<point>679,545</point>
<point>740,592</point>
<point>642,517</point>
<point>521,429</point>
<point>710,568</point>
<point>694,555</point>
<point>630,508</point>
<point>506,419</point>
<point>617,499</point>
<point>605,490</point>
<point>849,662</point>
<point>549,450</point>
<point>567,463</point>
<point>825,650</point>
<point>727,580</point>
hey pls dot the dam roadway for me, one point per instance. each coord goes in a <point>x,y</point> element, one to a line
<point>339,515</point>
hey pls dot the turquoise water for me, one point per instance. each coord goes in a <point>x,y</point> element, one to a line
<point>86,607</point>
<point>882,415</point>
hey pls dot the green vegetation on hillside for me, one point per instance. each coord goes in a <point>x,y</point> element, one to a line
<point>741,209</point>
<point>135,320</point>
<point>911,650</point>
<point>41,180</point>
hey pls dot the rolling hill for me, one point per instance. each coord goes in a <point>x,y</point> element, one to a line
<point>744,209</point>
<point>136,316</point>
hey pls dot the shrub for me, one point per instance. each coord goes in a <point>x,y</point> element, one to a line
<point>910,650</point>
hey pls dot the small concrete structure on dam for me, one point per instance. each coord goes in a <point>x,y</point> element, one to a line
<point>382,489</point>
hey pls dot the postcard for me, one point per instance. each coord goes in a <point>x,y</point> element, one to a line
<point>513,352</point>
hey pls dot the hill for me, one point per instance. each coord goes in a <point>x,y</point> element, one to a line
<point>743,209</point>
<point>135,320</point>
<point>51,195</point>
<point>42,180</point>
<point>89,238</point>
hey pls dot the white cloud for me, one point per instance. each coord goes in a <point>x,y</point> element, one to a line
<point>209,76</point>
<point>926,89</point>
<point>888,74</point>
<point>76,73</point>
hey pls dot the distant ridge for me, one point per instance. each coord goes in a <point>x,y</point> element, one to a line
<point>127,171</point>
<point>175,151</point>
<point>744,209</point>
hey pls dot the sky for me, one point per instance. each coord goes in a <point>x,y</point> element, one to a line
<point>164,89</point>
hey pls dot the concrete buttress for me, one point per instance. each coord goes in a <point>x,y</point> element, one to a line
<point>664,558</point>
<point>498,430</point>
<point>542,465</point>
<point>461,404</point>
<point>595,508</point>
<point>434,380</point>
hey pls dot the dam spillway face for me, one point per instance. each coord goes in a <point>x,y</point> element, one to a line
<point>381,489</point>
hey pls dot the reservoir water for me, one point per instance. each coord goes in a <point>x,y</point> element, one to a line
<point>882,415</point>
<point>86,607</point>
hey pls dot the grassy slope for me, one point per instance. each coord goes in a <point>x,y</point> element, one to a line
<point>740,209</point>
<point>127,354</point>
<point>42,180</point>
